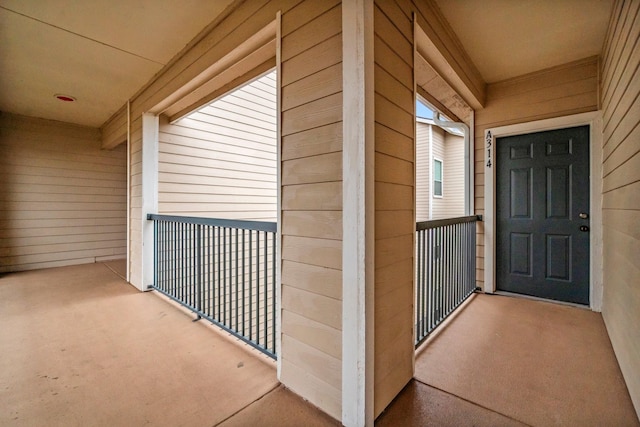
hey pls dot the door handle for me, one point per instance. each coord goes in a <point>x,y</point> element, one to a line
<point>584,228</point>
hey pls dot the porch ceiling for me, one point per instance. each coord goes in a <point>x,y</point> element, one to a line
<point>507,38</point>
<point>100,52</point>
<point>103,51</point>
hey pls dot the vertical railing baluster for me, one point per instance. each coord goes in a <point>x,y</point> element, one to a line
<point>224,275</point>
<point>432,278</point>
<point>460,262</point>
<point>199,247</point>
<point>450,267</point>
<point>417,299</point>
<point>203,266</point>
<point>244,280</point>
<point>266,285</point>
<point>273,292</point>
<point>155,253</point>
<point>219,269</point>
<point>257,339</point>
<point>251,286</point>
<point>445,270</point>
<point>237,293</point>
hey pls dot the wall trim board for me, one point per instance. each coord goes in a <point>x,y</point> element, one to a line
<point>247,56</point>
<point>471,87</point>
<point>150,128</point>
<point>358,302</point>
<point>594,120</point>
<point>278,267</point>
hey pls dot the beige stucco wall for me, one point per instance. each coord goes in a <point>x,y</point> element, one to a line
<point>62,198</point>
<point>620,90</point>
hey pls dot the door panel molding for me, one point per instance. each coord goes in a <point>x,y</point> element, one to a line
<point>594,119</point>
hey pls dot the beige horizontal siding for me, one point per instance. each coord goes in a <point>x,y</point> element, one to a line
<point>244,21</point>
<point>220,161</point>
<point>439,209</point>
<point>450,150</point>
<point>454,175</point>
<point>312,203</point>
<point>63,199</point>
<point>620,92</point>
<point>423,186</point>
<point>395,201</point>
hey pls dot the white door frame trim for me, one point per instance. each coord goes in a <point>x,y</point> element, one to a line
<point>594,119</point>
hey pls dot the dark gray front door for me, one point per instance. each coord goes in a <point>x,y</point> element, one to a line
<point>542,214</point>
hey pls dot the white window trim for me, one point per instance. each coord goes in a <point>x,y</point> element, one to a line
<point>433,181</point>
<point>594,119</point>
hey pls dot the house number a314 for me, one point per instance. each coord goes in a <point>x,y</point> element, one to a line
<point>488,140</point>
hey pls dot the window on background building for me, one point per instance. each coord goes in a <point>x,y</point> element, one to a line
<point>437,177</point>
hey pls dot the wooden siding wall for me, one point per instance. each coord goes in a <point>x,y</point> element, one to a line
<point>450,149</point>
<point>620,94</point>
<point>245,20</point>
<point>556,92</point>
<point>394,199</point>
<point>311,177</point>
<point>311,70</point>
<point>220,162</point>
<point>311,169</point>
<point>395,179</point>
<point>454,175</point>
<point>62,198</point>
<point>439,209</point>
<point>423,194</point>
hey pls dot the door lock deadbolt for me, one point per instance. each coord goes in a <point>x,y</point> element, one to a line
<point>584,215</point>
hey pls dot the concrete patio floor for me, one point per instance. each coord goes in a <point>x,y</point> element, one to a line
<point>82,347</point>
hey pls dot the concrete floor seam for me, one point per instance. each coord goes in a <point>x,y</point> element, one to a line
<point>469,401</point>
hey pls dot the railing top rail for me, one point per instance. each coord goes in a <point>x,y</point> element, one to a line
<point>218,222</point>
<point>426,225</point>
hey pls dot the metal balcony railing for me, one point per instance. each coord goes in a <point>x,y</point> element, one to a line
<point>222,270</point>
<point>445,270</point>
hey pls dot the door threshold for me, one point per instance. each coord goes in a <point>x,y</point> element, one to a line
<point>516,295</point>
